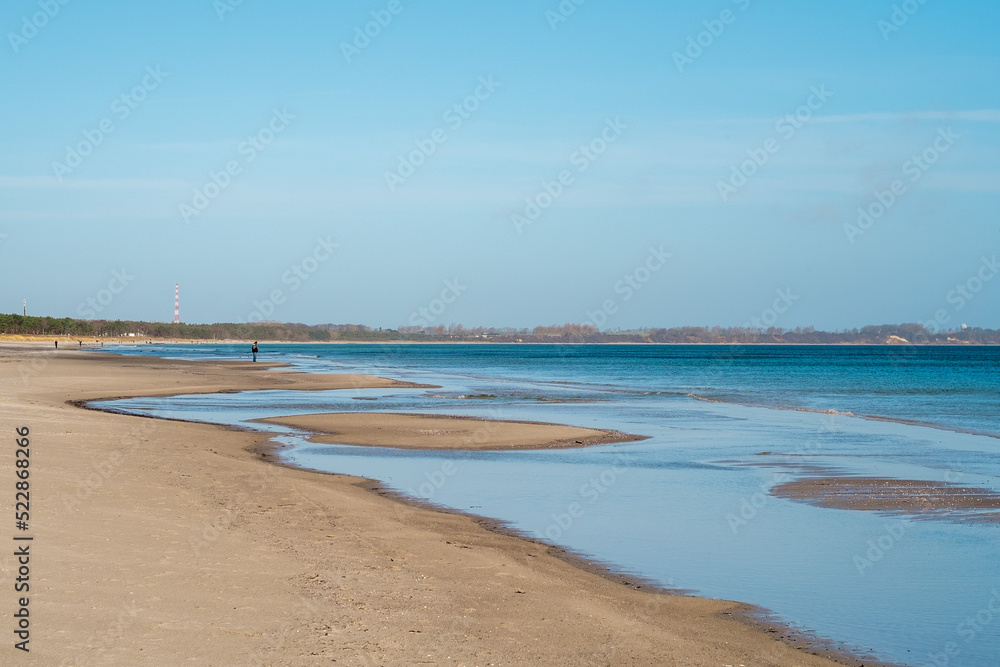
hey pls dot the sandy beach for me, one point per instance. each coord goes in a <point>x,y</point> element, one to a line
<point>173,543</point>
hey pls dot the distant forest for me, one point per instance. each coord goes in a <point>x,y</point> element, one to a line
<point>566,333</point>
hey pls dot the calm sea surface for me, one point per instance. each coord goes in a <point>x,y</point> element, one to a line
<point>689,507</point>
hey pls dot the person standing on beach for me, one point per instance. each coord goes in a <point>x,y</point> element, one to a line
<point>254,350</point>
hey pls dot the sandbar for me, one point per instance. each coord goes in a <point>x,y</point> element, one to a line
<point>418,431</point>
<point>919,499</point>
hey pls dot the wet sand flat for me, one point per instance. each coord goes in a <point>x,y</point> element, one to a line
<point>166,542</point>
<point>918,498</point>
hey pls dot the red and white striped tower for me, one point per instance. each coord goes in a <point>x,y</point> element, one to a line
<point>177,303</point>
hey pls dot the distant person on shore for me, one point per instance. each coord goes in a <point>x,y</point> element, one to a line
<point>254,350</point>
<point>57,344</point>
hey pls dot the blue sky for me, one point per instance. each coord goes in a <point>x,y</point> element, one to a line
<point>309,130</point>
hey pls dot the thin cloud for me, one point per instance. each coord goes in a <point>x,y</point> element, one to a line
<point>978,115</point>
<point>186,146</point>
<point>51,183</point>
<point>981,115</point>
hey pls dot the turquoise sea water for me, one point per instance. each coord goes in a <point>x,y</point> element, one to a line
<point>689,507</point>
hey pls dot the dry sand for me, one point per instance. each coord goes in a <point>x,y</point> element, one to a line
<point>381,429</point>
<point>171,543</point>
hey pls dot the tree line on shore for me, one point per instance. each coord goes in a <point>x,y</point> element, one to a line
<point>566,333</point>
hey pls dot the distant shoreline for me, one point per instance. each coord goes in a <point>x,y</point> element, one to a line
<point>89,343</point>
<point>24,327</point>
